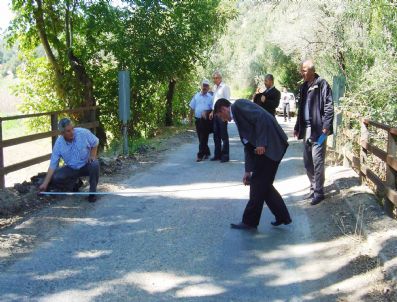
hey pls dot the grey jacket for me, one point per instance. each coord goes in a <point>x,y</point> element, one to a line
<point>258,128</point>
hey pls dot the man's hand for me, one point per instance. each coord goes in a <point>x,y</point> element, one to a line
<point>325,131</point>
<point>247,178</point>
<point>43,187</point>
<point>296,134</point>
<point>211,116</point>
<point>260,150</point>
<point>263,98</point>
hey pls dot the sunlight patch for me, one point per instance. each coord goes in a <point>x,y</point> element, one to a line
<point>92,254</point>
<point>200,290</point>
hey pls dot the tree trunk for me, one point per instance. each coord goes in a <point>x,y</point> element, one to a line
<point>168,104</point>
<point>88,92</point>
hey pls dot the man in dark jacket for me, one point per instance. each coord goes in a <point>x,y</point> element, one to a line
<point>270,98</point>
<point>313,124</point>
<point>265,144</point>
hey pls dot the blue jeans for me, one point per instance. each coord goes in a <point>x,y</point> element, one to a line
<point>64,178</point>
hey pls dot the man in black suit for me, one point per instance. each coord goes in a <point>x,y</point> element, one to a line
<point>270,98</point>
<point>265,144</point>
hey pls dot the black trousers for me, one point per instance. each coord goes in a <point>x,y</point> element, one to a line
<point>221,139</point>
<point>262,190</point>
<point>65,177</point>
<point>203,129</point>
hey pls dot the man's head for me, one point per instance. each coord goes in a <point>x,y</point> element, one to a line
<point>269,81</point>
<point>217,77</point>
<point>308,70</point>
<point>65,125</point>
<point>205,86</point>
<point>222,109</point>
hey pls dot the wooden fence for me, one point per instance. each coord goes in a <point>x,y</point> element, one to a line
<point>92,124</point>
<point>385,188</point>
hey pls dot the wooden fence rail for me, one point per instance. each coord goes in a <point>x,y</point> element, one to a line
<point>92,124</point>
<point>386,188</point>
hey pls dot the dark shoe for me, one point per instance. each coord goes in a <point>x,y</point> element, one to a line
<point>224,159</point>
<point>242,226</point>
<point>317,200</point>
<point>277,223</point>
<point>206,156</point>
<point>91,198</point>
<point>199,159</point>
<point>215,158</point>
<point>310,195</point>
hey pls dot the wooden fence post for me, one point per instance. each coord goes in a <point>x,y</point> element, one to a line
<point>390,172</point>
<point>2,178</point>
<point>54,127</point>
<point>364,138</point>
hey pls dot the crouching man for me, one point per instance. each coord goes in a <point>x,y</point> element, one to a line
<point>78,149</point>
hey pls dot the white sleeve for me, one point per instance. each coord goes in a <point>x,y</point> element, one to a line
<point>226,92</point>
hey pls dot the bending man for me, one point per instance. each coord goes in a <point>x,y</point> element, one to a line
<point>265,144</point>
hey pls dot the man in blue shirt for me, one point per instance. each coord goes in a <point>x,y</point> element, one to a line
<point>201,106</point>
<point>78,149</point>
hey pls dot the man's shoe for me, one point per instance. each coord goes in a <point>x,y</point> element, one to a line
<point>310,195</point>
<point>277,223</point>
<point>215,158</point>
<point>205,157</point>
<point>242,226</point>
<point>317,200</point>
<point>199,159</point>
<point>224,159</point>
<point>91,198</point>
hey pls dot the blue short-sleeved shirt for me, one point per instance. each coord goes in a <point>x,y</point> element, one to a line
<point>76,153</point>
<point>201,102</point>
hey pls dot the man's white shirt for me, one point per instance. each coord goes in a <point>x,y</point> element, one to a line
<point>221,91</point>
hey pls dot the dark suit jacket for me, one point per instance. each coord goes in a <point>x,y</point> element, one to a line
<point>272,100</point>
<point>260,129</point>
<point>321,108</point>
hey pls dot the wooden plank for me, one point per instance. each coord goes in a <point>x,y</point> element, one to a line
<point>21,116</point>
<point>376,124</point>
<point>34,137</point>
<point>24,164</point>
<point>374,150</point>
<point>392,162</point>
<point>355,161</point>
<point>2,179</point>
<point>390,193</point>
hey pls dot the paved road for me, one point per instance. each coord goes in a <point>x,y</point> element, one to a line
<point>170,241</point>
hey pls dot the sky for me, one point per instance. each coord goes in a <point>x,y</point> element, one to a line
<point>5,15</point>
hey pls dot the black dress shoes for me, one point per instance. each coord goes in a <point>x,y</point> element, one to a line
<point>92,198</point>
<point>242,226</point>
<point>215,158</point>
<point>224,159</point>
<point>317,200</point>
<point>277,223</point>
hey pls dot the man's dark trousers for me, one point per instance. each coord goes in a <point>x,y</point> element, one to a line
<point>314,159</point>
<point>203,132</point>
<point>221,139</point>
<point>262,190</point>
<point>66,177</point>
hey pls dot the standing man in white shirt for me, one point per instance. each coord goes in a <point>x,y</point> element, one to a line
<point>221,136</point>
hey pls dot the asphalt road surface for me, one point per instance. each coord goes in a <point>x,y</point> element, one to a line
<point>170,240</point>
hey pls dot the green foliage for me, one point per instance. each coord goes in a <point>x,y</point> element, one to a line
<point>157,41</point>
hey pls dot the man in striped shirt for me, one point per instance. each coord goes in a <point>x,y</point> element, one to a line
<point>78,149</point>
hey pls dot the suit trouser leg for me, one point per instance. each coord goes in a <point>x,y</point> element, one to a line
<point>199,136</point>
<point>225,140</point>
<point>262,190</point>
<point>217,136</point>
<point>64,178</point>
<point>92,171</point>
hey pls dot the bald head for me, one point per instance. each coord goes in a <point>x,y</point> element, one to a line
<point>308,70</point>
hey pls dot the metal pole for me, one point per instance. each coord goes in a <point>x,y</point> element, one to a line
<point>125,139</point>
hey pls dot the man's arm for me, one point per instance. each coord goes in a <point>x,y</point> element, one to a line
<point>93,153</point>
<point>226,92</point>
<point>326,95</point>
<point>47,179</point>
